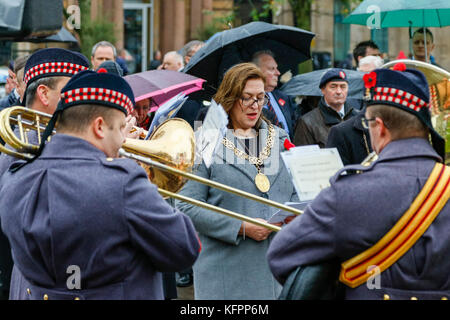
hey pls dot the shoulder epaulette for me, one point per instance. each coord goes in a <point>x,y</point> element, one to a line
<point>351,169</point>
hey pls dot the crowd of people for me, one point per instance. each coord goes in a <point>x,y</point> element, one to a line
<point>83,207</point>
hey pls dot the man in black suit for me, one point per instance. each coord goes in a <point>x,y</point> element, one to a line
<point>281,109</point>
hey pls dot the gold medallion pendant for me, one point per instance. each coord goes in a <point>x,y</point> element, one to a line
<point>262,182</point>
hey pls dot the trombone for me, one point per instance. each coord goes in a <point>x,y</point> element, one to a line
<point>167,157</point>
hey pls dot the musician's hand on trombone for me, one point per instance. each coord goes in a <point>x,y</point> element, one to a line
<point>255,232</point>
<point>130,129</point>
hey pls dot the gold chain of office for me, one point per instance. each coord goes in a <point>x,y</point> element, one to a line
<point>261,180</point>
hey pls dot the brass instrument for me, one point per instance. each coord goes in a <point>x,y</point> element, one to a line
<point>439,85</point>
<point>167,157</point>
<point>143,133</point>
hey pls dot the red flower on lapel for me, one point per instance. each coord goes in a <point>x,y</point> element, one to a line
<point>281,102</point>
<point>370,80</point>
<point>288,144</point>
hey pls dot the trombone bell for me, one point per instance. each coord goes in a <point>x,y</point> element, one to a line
<point>173,144</point>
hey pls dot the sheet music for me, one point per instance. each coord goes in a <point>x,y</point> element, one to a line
<point>311,169</point>
<point>280,215</point>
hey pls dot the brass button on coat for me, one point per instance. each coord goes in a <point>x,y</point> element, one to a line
<point>45,297</point>
<point>386,297</point>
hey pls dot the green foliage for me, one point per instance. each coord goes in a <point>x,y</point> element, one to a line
<point>93,31</point>
<point>217,24</point>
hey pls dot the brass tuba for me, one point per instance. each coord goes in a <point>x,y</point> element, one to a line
<point>439,85</point>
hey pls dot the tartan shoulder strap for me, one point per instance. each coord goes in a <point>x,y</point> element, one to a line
<point>411,226</point>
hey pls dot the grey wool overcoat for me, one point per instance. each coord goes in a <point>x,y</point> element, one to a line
<point>229,266</point>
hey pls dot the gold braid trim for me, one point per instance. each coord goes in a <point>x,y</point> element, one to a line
<point>404,234</point>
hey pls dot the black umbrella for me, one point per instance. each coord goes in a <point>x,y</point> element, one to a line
<point>290,45</point>
<point>63,35</point>
<point>307,84</point>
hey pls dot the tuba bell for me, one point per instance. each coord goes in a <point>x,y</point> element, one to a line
<point>439,86</point>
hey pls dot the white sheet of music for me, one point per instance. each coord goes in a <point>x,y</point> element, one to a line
<point>311,169</point>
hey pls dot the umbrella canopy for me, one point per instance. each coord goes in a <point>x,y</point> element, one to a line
<point>63,35</point>
<point>402,13</point>
<point>162,85</point>
<point>307,84</point>
<point>290,45</point>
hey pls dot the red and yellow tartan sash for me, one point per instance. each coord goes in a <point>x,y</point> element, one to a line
<point>411,226</point>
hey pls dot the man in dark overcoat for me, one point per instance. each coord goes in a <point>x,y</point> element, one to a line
<point>333,108</point>
<point>351,139</point>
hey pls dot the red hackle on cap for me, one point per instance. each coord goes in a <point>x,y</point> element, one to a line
<point>401,55</point>
<point>399,67</point>
<point>102,70</point>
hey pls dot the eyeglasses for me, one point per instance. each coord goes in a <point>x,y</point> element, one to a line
<point>247,102</point>
<point>365,122</point>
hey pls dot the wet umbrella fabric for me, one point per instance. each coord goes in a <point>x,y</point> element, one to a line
<point>63,35</point>
<point>162,85</point>
<point>307,84</point>
<point>290,45</point>
<point>401,13</point>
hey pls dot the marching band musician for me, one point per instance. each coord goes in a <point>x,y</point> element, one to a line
<point>46,72</point>
<point>90,225</point>
<point>391,240</point>
<point>232,264</point>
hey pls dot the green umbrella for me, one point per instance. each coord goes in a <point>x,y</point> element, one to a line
<point>401,13</point>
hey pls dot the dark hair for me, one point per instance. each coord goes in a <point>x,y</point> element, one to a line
<point>360,49</point>
<point>420,30</point>
<point>30,93</point>
<point>77,118</point>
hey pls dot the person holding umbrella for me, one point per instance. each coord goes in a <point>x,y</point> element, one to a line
<point>142,113</point>
<point>232,264</point>
<point>418,46</point>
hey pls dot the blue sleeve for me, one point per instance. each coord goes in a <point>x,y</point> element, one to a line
<point>308,239</point>
<point>164,234</point>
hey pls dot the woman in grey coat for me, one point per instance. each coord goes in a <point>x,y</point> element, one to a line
<point>232,264</point>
